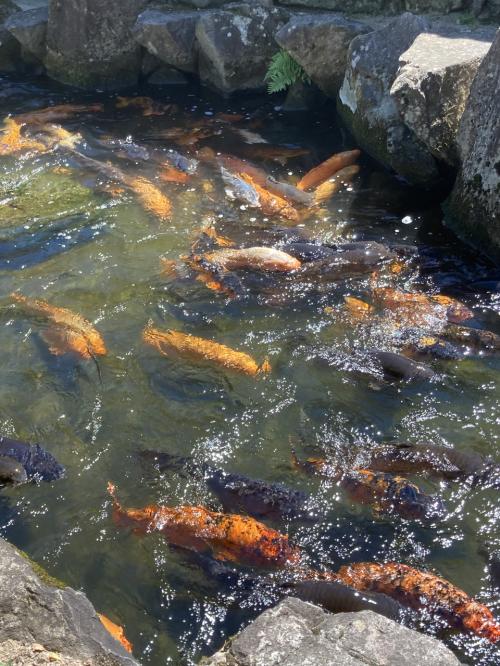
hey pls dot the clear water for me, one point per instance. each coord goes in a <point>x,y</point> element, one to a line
<point>64,239</point>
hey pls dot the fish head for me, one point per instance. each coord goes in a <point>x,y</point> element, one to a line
<point>11,471</point>
<point>412,503</point>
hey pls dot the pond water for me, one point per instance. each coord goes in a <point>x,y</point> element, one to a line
<point>67,238</point>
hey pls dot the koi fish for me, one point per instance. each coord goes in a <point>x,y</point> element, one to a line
<point>151,198</point>
<point>172,175</point>
<point>272,204</point>
<point>38,464</point>
<point>472,337</point>
<point>67,332</point>
<point>12,141</point>
<point>420,305</point>
<point>248,136</point>
<point>280,154</point>
<point>358,309</point>
<point>148,106</point>
<point>237,188</point>
<point>336,597</point>
<point>62,137</point>
<point>418,589</point>
<point>440,461</point>
<point>12,471</point>
<point>57,112</point>
<point>387,493</point>
<point>326,190</point>
<point>254,258</point>
<point>348,262</point>
<point>227,536</point>
<point>116,631</point>
<point>196,349</point>
<point>259,176</point>
<point>254,497</point>
<point>327,169</point>
<point>396,366</point>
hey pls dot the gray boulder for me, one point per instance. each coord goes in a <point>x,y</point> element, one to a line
<point>90,43</point>
<point>370,111</point>
<point>474,205</point>
<point>10,49</point>
<point>384,6</point>
<point>30,30</point>
<point>319,43</point>
<point>295,633</point>
<point>37,609</point>
<point>433,84</point>
<point>236,45</point>
<point>170,36</point>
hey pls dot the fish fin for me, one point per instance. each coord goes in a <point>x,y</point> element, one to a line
<point>265,366</point>
<point>223,554</point>
<point>63,341</point>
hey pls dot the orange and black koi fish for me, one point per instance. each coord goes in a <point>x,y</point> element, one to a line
<point>327,169</point>
<point>416,306</point>
<point>420,589</point>
<point>440,461</point>
<point>388,493</point>
<point>471,337</point>
<point>227,536</point>
<point>192,348</point>
<point>67,331</point>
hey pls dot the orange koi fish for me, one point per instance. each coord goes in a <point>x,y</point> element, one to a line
<point>419,589</point>
<point>148,106</point>
<point>116,631</point>
<point>255,258</point>
<point>51,114</point>
<point>358,309</point>
<point>330,187</point>
<point>172,175</point>
<point>151,198</point>
<point>192,348</point>
<point>227,536</point>
<point>68,331</point>
<point>327,169</point>
<point>12,141</point>
<point>271,204</point>
<point>421,304</point>
<point>260,177</point>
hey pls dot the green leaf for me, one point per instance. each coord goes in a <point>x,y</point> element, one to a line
<point>283,72</point>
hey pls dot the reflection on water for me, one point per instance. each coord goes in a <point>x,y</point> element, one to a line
<point>79,240</point>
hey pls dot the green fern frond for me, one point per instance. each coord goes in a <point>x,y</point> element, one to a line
<point>283,72</point>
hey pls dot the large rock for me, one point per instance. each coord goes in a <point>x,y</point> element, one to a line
<point>433,84</point>
<point>236,45</point>
<point>296,633</point>
<point>30,30</point>
<point>370,111</point>
<point>474,206</point>
<point>35,609</point>
<point>10,50</point>
<point>90,43</point>
<point>385,6</point>
<point>319,42</point>
<point>170,36</point>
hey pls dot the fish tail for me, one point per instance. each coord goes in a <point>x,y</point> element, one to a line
<point>94,358</point>
<point>111,488</point>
